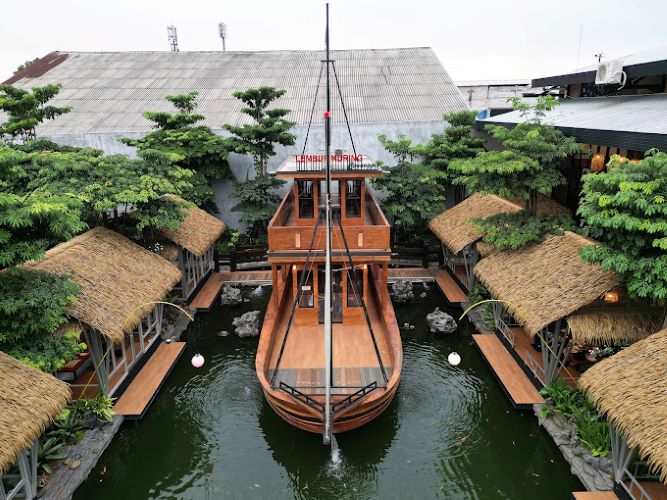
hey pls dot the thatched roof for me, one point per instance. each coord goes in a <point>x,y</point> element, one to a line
<point>544,282</point>
<point>614,324</point>
<point>199,230</point>
<point>119,280</point>
<point>29,401</point>
<point>454,227</point>
<point>630,389</point>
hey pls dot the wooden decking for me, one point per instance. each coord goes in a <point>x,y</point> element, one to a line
<point>208,293</point>
<point>514,381</point>
<point>594,495</point>
<point>204,300</point>
<point>142,390</point>
<point>444,280</point>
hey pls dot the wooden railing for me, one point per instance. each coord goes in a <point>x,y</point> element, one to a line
<point>536,368</point>
<point>501,324</point>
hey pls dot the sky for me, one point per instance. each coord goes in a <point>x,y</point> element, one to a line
<point>474,40</point>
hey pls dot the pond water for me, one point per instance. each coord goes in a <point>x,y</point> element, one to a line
<point>449,433</point>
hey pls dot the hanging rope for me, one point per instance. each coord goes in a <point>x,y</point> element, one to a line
<point>342,102</point>
<point>312,111</point>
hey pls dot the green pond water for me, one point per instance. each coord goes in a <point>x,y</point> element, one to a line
<point>449,433</point>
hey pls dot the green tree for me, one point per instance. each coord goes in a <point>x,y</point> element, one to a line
<point>191,146</point>
<point>32,303</point>
<point>109,189</point>
<point>453,142</point>
<point>257,197</point>
<point>412,193</point>
<point>626,209</point>
<point>269,128</point>
<point>529,163</point>
<point>27,109</point>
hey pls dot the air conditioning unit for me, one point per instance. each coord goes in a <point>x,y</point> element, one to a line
<point>610,73</point>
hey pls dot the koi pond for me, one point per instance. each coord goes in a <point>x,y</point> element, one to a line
<point>449,433</point>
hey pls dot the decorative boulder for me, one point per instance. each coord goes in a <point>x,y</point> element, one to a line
<point>401,290</point>
<point>440,322</point>
<point>247,325</point>
<point>231,296</point>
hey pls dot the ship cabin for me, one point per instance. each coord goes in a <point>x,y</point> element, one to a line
<point>359,232</point>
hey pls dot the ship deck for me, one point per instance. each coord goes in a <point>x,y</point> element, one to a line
<point>354,357</point>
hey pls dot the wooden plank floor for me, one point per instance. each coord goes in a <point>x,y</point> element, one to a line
<point>449,287</point>
<point>514,381</point>
<point>657,490</point>
<point>247,277</point>
<point>142,390</point>
<point>410,273</point>
<point>594,495</point>
<point>208,293</point>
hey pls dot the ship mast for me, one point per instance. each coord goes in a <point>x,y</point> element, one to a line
<point>328,372</point>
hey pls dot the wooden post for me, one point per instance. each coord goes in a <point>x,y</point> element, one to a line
<point>232,261</point>
<point>424,255</point>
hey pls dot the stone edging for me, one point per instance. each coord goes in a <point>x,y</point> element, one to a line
<point>594,473</point>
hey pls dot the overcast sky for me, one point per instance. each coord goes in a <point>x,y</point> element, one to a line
<point>499,39</point>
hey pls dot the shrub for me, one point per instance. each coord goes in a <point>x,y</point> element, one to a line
<point>48,353</point>
<point>592,428</point>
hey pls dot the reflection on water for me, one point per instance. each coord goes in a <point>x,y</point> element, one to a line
<point>450,432</point>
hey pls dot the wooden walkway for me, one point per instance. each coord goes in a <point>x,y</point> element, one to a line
<point>444,280</point>
<point>594,495</point>
<point>514,381</point>
<point>205,298</point>
<point>142,390</point>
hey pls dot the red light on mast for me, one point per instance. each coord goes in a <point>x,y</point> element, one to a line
<point>327,114</point>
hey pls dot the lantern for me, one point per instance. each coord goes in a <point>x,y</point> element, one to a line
<point>611,297</point>
<point>454,359</point>
<point>197,360</point>
<point>597,163</point>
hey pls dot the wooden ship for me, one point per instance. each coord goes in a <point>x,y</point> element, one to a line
<point>329,355</point>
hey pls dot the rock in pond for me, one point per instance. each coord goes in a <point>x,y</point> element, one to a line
<point>440,322</point>
<point>247,325</point>
<point>231,296</point>
<point>401,290</point>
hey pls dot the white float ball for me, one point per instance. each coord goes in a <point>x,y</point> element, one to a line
<point>454,359</point>
<point>197,360</point>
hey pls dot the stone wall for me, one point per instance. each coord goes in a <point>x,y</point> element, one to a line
<point>595,473</point>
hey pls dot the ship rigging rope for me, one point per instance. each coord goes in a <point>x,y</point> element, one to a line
<point>342,102</point>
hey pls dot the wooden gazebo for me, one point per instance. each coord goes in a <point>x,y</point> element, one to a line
<point>121,285</point>
<point>630,389</point>
<point>457,232</point>
<point>550,291</point>
<point>29,401</point>
<point>195,240</point>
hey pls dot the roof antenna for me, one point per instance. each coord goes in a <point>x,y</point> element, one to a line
<point>222,30</point>
<point>599,56</point>
<point>173,38</point>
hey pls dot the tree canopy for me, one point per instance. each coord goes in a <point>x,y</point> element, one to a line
<point>529,162</point>
<point>190,146</point>
<point>270,127</point>
<point>413,193</point>
<point>626,209</point>
<point>455,141</point>
<point>26,109</point>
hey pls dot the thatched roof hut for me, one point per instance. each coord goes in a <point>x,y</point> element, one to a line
<point>545,282</point>
<point>614,324</point>
<point>120,281</point>
<point>29,401</point>
<point>198,232</point>
<point>630,389</point>
<point>454,227</point>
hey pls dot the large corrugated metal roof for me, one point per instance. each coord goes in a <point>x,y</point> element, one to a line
<point>639,120</point>
<point>109,91</point>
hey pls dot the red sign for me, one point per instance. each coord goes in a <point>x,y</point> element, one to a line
<point>323,158</point>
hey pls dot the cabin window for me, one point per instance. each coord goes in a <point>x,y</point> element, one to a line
<point>355,290</point>
<point>306,201</point>
<point>353,198</point>
<point>307,292</point>
<point>335,195</point>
